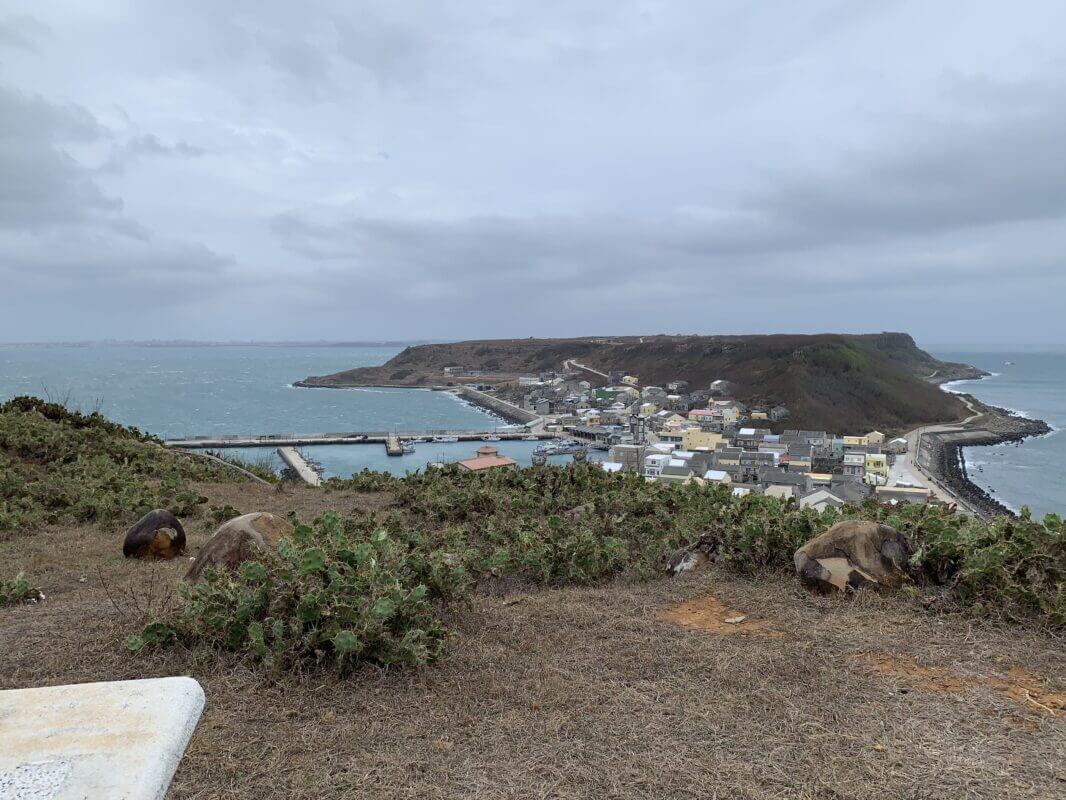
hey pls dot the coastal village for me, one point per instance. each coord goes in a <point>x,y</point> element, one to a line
<point>682,434</point>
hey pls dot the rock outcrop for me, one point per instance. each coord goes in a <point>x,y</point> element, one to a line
<point>156,535</point>
<point>854,554</point>
<point>241,539</point>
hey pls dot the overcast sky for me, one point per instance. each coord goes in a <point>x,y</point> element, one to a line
<point>367,170</point>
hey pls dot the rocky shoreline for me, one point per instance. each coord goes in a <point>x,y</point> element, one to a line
<point>957,372</point>
<point>995,426</point>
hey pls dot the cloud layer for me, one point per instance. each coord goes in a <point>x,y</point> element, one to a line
<point>413,170</point>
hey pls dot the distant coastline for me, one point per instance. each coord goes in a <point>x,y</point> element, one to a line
<point>199,343</point>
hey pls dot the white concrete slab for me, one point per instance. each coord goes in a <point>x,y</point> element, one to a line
<point>119,740</point>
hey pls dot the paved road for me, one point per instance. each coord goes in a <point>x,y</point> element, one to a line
<point>567,364</point>
<point>907,470</point>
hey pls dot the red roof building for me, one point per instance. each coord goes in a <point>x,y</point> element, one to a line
<point>487,458</point>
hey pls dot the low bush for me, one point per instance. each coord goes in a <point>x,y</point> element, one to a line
<point>578,525</point>
<point>330,595</point>
<point>17,590</point>
<point>63,466</point>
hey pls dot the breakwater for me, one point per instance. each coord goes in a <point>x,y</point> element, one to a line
<point>508,411</point>
<point>378,437</point>
<point>946,461</point>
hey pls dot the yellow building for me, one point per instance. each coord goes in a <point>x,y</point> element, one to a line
<point>728,458</point>
<point>674,422</point>
<point>877,466</point>
<point>874,437</point>
<point>854,441</point>
<point>759,415</point>
<point>695,439</point>
<point>648,409</point>
<point>729,410</point>
<point>630,380</point>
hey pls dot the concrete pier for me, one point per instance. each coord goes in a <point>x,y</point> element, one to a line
<point>294,460</point>
<point>393,446</point>
<point>371,437</point>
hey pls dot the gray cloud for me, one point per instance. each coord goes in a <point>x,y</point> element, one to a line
<point>22,32</point>
<point>40,183</point>
<point>551,168</point>
<point>147,145</point>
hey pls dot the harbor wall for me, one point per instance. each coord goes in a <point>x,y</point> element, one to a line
<point>508,411</point>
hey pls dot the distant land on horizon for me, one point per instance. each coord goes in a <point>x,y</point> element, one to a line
<point>834,382</point>
<point>201,343</point>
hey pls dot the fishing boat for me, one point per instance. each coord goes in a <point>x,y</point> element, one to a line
<point>492,439</point>
<point>408,447</point>
<point>446,438</point>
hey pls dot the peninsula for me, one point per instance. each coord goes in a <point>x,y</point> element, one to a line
<point>786,387</point>
<point>878,381</point>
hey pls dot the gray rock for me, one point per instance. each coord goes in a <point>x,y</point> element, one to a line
<point>239,540</point>
<point>854,554</point>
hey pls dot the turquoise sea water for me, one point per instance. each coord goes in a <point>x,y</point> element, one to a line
<point>1031,473</point>
<point>188,391</point>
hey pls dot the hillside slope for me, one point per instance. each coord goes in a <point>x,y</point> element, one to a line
<point>828,381</point>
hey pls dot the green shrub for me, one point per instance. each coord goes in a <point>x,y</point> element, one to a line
<point>62,466</point>
<point>515,523</point>
<point>327,596</point>
<point>373,588</point>
<point>17,590</point>
<point>224,513</point>
<point>1013,567</point>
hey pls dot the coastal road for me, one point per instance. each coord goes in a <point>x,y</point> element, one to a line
<point>906,468</point>
<point>571,362</point>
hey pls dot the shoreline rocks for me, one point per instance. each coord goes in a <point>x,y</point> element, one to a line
<point>999,426</point>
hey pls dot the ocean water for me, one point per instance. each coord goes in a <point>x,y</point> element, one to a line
<point>1031,473</point>
<point>342,460</point>
<point>189,391</point>
<point>182,391</point>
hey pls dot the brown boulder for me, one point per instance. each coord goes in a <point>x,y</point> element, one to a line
<point>854,554</point>
<point>241,539</point>
<point>156,535</point>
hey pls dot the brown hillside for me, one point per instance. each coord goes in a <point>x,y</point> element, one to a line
<point>835,382</point>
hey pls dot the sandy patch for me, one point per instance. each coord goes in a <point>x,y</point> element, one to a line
<point>1016,683</point>
<point>710,614</point>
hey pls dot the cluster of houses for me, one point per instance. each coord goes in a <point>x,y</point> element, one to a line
<point>673,434</point>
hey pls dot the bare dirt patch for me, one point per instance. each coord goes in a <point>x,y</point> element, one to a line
<point>1017,684</point>
<point>711,614</point>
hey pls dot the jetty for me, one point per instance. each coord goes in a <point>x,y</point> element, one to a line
<point>393,447</point>
<point>216,442</point>
<point>298,464</point>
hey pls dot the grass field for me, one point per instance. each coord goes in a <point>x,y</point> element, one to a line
<point>597,692</point>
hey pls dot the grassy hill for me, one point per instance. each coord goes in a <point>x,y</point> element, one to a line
<point>828,381</point>
<point>61,466</point>
<point>507,646</point>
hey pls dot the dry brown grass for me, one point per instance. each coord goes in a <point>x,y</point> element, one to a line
<point>581,692</point>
